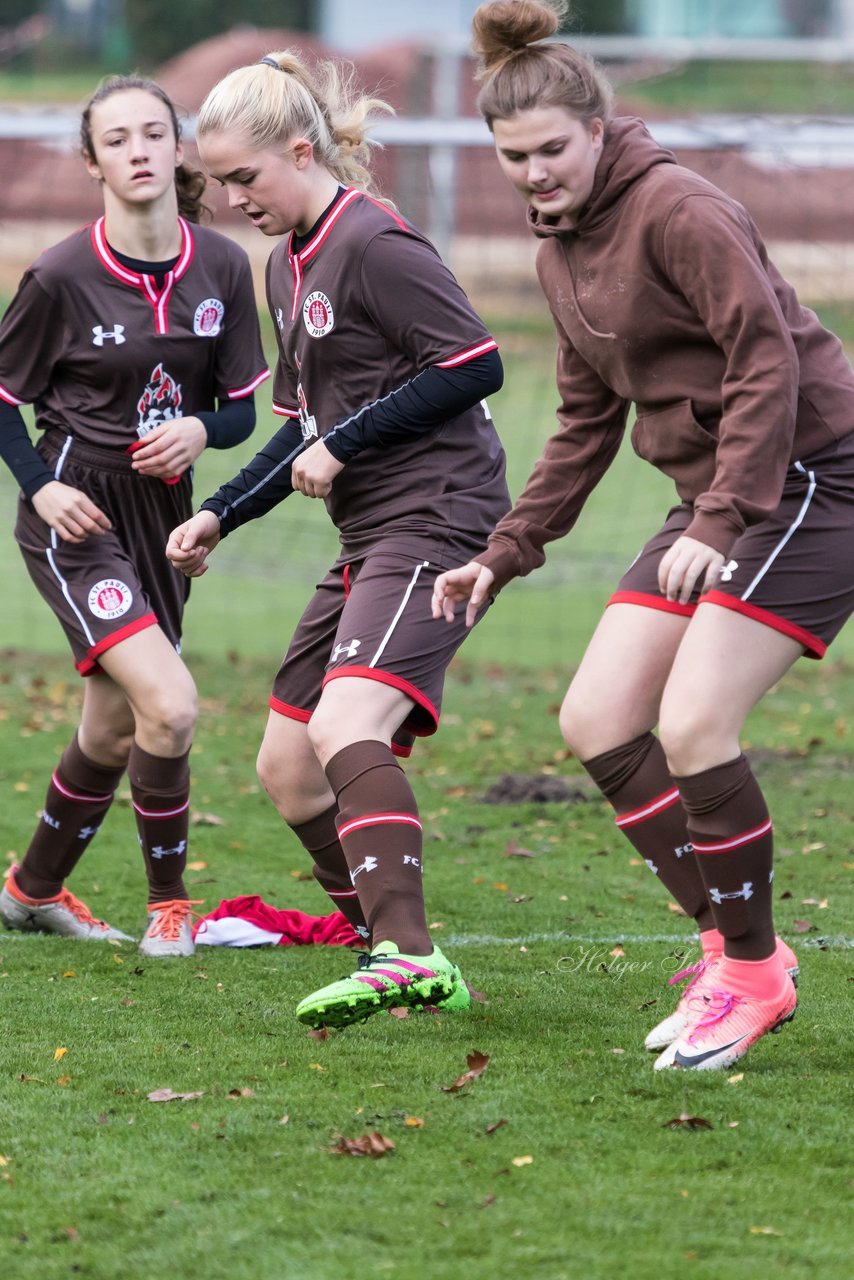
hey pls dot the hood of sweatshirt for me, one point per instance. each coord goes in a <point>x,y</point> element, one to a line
<point>628,153</point>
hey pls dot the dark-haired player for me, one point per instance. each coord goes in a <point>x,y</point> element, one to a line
<point>137,342</point>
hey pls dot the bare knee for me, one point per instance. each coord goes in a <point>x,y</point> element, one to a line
<point>166,719</point>
<point>590,724</point>
<point>295,783</point>
<point>106,744</point>
<point>694,738</point>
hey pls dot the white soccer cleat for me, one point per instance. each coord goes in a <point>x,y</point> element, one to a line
<point>169,931</point>
<point>64,915</point>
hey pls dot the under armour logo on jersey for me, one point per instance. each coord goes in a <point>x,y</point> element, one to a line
<point>653,868</point>
<point>370,864</point>
<point>350,650</point>
<point>280,318</point>
<point>746,891</point>
<point>159,852</point>
<point>51,822</point>
<point>100,334</point>
<point>728,570</point>
<point>85,832</point>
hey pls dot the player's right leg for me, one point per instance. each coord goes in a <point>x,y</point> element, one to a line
<point>79,796</point>
<point>294,780</point>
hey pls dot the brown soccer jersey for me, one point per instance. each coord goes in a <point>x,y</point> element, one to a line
<point>349,334</point>
<point>105,355</point>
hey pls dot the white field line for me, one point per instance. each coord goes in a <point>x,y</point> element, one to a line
<point>830,942</point>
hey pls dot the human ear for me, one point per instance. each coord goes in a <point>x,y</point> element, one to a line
<point>302,151</point>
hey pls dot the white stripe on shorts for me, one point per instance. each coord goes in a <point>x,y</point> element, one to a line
<point>54,544</point>
<point>425,564</point>
<point>796,523</point>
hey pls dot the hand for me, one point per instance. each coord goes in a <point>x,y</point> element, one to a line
<point>470,582</point>
<point>684,564</point>
<point>170,449</point>
<point>314,471</point>
<point>69,512</point>
<point>192,542</point>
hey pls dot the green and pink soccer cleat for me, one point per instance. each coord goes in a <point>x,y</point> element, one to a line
<point>386,979</point>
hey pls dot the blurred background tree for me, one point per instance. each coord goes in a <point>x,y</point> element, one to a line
<point>159,29</point>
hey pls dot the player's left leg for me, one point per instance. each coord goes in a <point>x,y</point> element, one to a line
<point>726,662</point>
<point>162,696</point>
<point>380,832</point>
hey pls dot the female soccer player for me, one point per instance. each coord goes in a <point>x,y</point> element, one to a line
<point>382,369</point>
<point>662,294</point>
<point>137,341</point>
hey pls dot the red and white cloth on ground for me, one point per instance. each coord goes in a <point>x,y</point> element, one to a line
<point>249,922</point>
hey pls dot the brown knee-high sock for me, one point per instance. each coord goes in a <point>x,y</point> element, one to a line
<point>380,833</point>
<point>160,790</point>
<point>319,837</point>
<point>78,797</point>
<point>732,835</point>
<point>636,780</point>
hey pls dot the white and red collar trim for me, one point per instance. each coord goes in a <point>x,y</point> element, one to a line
<point>299,260</point>
<point>158,297</point>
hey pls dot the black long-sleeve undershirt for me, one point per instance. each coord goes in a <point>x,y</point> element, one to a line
<point>230,424</point>
<point>426,402</point>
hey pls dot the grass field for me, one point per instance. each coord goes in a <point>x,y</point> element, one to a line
<point>559,1162</point>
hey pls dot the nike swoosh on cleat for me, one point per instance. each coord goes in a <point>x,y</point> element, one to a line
<point>710,1053</point>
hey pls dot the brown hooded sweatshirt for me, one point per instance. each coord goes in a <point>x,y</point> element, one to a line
<point>662,294</point>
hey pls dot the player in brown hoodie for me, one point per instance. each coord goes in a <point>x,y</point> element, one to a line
<point>663,296</point>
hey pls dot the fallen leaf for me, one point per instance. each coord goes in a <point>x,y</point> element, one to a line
<point>315,1066</point>
<point>169,1095</point>
<point>198,865</point>
<point>501,886</point>
<point>684,1121</point>
<point>803,926</point>
<point>63,1080</point>
<point>400,1012</point>
<point>617,952</point>
<point>520,1161</point>
<point>514,850</point>
<point>821,903</point>
<point>59,1053</point>
<point>199,819</point>
<point>375,1145</point>
<point>477,1063</point>
<point>490,1199</point>
<point>676,909</point>
<point>765,1231</point>
<point>284,1120</point>
<point>414,1122</point>
<point>319,1033</point>
<point>735,1079</point>
<point>241,1093</point>
<point>477,996</point>
<point>496,1124</point>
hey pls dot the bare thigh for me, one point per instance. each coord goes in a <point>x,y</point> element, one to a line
<point>725,664</point>
<point>616,693</point>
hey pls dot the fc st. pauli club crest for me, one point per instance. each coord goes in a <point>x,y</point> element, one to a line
<point>207,321</point>
<point>110,598</point>
<point>317,315</point>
